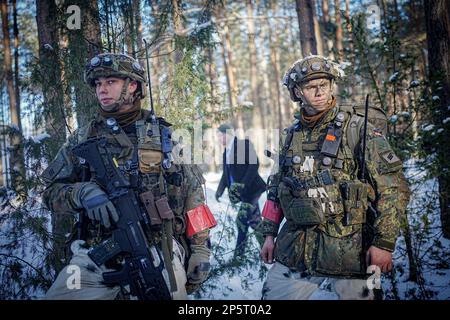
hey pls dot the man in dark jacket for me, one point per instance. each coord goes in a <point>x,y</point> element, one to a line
<point>245,185</point>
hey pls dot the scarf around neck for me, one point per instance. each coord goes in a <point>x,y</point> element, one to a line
<point>311,121</point>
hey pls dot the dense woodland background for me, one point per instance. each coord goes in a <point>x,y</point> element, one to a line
<point>219,61</point>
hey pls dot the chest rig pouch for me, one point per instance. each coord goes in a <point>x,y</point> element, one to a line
<point>339,248</point>
<point>153,141</point>
<point>353,192</point>
<point>149,146</point>
<point>299,209</point>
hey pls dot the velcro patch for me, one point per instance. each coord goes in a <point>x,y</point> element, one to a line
<point>390,157</point>
<point>377,132</point>
<point>53,169</point>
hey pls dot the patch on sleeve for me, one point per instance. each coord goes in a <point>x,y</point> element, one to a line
<point>390,157</point>
<point>53,169</point>
<point>377,132</point>
<point>390,162</point>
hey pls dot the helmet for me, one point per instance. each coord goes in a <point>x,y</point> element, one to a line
<point>310,68</point>
<point>115,65</point>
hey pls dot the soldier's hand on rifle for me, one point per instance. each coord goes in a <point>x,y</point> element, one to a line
<point>267,250</point>
<point>379,257</point>
<point>89,196</point>
<point>198,266</point>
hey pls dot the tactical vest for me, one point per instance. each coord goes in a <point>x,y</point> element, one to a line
<point>322,198</point>
<point>139,154</point>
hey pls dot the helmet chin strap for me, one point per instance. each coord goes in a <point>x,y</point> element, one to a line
<point>113,107</point>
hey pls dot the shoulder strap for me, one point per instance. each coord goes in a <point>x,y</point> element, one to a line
<point>287,144</point>
<point>353,130</point>
<point>85,132</point>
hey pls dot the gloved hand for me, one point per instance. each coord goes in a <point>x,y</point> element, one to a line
<point>234,192</point>
<point>89,196</point>
<point>198,266</point>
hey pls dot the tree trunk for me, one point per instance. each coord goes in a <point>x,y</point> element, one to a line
<point>257,110</point>
<point>92,31</point>
<point>327,34</point>
<point>50,78</point>
<point>228,60</point>
<point>177,18</point>
<point>212,106</point>
<point>276,80</point>
<point>84,44</point>
<point>155,63</point>
<point>7,63</point>
<point>16,153</point>
<point>339,32</point>
<point>138,26</point>
<point>129,31</point>
<point>437,17</point>
<point>16,56</point>
<point>317,32</point>
<point>49,74</point>
<point>108,37</point>
<point>349,30</point>
<point>305,14</point>
<point>266,93</point>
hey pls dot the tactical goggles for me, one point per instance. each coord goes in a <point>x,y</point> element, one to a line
<point>112,62</point>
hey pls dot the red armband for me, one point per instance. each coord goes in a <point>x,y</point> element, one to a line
<point>272,212</point>
<point>199,219</point>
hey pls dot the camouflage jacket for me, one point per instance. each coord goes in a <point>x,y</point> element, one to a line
<point>332,217</point>
<point>182,184</point>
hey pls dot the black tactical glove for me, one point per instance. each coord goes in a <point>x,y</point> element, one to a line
<point>89,196</point>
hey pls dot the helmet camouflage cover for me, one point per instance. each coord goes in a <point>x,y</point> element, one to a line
<point>310,68</point>
<point>115,65</point>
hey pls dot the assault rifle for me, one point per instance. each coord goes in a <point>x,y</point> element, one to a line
<point>143,267</point>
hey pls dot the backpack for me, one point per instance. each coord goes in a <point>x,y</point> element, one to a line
<point>376,116</point>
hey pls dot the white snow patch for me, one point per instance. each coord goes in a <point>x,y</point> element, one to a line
<point>40,137</point>
<point>394,77</point>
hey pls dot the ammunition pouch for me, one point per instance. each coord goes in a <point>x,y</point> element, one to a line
<point>340,256</point>
<point>323,178</point>
<point>157,210</point>
<point>300,210</point>
<point>149,160</point>
<point>354,195</point>
<point>290,248</point>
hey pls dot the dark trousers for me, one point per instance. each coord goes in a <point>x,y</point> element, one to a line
<point>249,215</point>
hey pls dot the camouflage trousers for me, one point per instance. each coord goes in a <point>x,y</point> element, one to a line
<point>285,284</point>
<point>81,279</point>
<point>248,215</point>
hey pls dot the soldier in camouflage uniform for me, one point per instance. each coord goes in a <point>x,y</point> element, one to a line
<point>337,222</point>
<point>119,81</point>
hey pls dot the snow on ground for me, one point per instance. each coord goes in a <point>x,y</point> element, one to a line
<point>30,249</point>
<point>246,281</point>
<point>428,243</point>
<point>245,285</point>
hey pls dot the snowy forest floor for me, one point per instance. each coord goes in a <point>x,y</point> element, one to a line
<point>431,251</point>
<point>243,279</point>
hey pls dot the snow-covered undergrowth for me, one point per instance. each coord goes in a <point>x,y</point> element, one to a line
<point>25,242</point>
